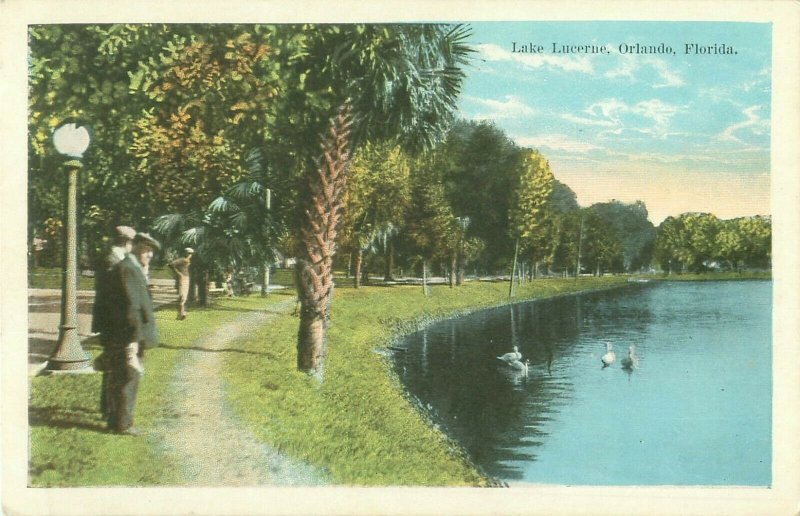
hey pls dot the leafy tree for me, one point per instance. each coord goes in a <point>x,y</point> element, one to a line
<point>601,246</point>
<point>528,214</point>
<point>431,226</point>
<point>757,231</point>
<point>481,165</point>
<point>191,143</point>
<point>745,241</point>
<point>671,248</point>
<point>566,233</point>
<point>71,75</point>
<point>689,240</point>
<point>376,200</point>
<point>629,226</point>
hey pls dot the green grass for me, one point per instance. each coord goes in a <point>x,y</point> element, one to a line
<point>357,425</point>
<point>50,277</point>
<point>69,444</point>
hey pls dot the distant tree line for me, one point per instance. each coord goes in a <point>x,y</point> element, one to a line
<point>696,242</point>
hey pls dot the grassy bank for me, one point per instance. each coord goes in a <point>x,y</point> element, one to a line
<point>714,276</point>
<point>357,425</point>
<point>69,444</point>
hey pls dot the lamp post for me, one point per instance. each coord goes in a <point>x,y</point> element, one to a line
<point>71,140</point>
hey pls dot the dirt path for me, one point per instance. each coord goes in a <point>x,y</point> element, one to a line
<point>212,446</point>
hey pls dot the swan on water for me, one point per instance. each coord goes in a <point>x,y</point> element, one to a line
<point>609,357</point>
<point>629,362</point>
<point>510,357</point>
<point>520,366</point>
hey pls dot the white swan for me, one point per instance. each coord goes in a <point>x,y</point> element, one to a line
<point>609,357</point>
<point>510,357</point>
<point>629,362</point>
<point>520,366</point>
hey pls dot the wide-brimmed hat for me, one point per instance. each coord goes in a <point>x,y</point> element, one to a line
<point>124,233</point>
<point>146,239</point>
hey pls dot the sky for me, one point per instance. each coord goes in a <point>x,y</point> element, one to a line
<point>681,132</point>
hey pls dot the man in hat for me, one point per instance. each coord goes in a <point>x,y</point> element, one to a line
<point>136,331</point>
<point>180,270</point>
<point>108,290</point>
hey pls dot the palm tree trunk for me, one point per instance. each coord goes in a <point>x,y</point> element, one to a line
<point>318,244</point>
<point>310,341</point>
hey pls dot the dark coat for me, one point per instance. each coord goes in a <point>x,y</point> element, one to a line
<point>108,297</point>
<point>136,319</point>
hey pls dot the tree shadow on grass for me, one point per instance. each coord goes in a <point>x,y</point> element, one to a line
<point>223,350</point>
<point>233,309</point>
<point>60,417</point>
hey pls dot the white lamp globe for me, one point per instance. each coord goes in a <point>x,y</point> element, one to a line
<point>71,140</point>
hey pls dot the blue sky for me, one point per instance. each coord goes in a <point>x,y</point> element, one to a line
<point>679,132</point>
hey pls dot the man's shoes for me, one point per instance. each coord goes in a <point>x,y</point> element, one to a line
<point>131,430</point>
<point>181,317</point>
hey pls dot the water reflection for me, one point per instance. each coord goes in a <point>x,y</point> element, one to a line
<point>538,427</point>
<point>483,402</point>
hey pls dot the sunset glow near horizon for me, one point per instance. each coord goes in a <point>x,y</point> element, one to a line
<point>675,114</point>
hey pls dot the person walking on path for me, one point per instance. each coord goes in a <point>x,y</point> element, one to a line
<point>108,290</point>
<point>180,270</point>
<point>135,320</point>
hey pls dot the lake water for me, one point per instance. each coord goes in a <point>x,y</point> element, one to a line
<point>696,410</point>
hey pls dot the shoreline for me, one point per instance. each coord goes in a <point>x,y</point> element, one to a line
<point>388,349</point>
<point>359,424</point>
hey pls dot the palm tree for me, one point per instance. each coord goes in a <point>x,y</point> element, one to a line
<point>404,81</point>
<point>240,228</point>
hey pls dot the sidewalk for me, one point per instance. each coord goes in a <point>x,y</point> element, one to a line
<point>44,317</point>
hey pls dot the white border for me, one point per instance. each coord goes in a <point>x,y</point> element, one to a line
<point>781,498</point>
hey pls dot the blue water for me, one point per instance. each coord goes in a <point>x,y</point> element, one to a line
<point>695,411</point>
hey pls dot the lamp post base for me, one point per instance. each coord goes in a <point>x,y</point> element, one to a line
<point>69,355</point>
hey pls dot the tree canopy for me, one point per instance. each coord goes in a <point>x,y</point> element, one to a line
<point>208,133</point>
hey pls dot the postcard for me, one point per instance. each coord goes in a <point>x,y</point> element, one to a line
<point>461,258</point>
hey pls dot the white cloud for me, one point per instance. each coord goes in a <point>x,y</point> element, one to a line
<point>627,66</point>
<point>656,110</point>
<point>630,65</point>
<point>754,123</point>
<point>617,116</point>
<point>492,52</point>
<point>608,108</point>
<point>569,117</point>
<point>761,81</point>
<point>556,142</point>
<point>670,77</point>
<point>511,107</point>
